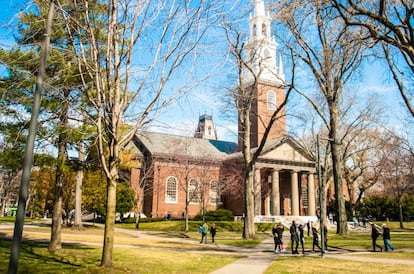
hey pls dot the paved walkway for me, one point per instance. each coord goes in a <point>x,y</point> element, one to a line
<point>256,262</point>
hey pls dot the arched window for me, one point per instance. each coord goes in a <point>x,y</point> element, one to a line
<point>271,100</point>
<point>194,191</point>
<point>254,30</point>
<point>171,190</point>
<point>213,195</point>
<point>264,30</point>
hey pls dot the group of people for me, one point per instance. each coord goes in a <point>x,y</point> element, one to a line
<point>385,236</point>
<point>297,236</point>
<point>204,230</point>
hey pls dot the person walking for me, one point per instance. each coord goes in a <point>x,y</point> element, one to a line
<point>203,230</point>
<point>374,236</point>
<point>279,230</point>
<point>386,237</point>
<point>213,232</point>
<point>294,238</point>
<point>308,225</point>
<point>275,237</point>
<point>315,241</point>
<point>302,238</point>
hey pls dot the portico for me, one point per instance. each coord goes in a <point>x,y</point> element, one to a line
<point>282,186</point>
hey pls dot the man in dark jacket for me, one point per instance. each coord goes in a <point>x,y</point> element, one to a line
<point>374,235</point>
<point>294,238</point>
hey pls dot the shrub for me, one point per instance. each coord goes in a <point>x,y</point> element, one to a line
<point>216,215</point>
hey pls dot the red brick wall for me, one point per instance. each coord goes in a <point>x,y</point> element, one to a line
<point>159,207</point>
<point>260,116</point>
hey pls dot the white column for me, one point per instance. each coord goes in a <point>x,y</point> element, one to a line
<point>295,193</point>
<point>275,193</point>
<point>267,205</point>
<point>257,192</point>
<point>311,195</point>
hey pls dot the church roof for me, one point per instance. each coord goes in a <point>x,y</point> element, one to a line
<point>166,144</point>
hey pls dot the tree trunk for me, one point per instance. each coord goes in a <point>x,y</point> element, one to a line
<point>186,217</point>
<point>249,229</point>
<point>55,239</point>
<point>78,190</point>
<point>342,225</point>
<point>109,224</point>
<point>401,215</point>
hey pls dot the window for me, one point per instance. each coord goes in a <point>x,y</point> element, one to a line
<point>254,30</point>
<point>194,191</point>
<point>213,192</point>
<point>271,100</point>
<point>171,190</point>
<point>263,29</point>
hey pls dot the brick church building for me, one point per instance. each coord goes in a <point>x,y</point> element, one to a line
<point>202,173</point>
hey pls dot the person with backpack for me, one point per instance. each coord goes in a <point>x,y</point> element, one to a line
<point>203,230</point>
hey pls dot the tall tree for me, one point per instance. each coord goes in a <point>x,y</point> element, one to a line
<point>319,38</point>
<point>245,96</point>
<point>131,53</point>
<point>390,23</point>
<point>61,92</point>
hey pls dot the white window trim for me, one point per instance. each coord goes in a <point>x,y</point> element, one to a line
<point>210,191</point>
<point>271,105</point>
<point>168,201</point>
<point>197,188</point>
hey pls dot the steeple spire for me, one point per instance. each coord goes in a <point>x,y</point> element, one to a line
<point>261,48</point>
<point>259,8</point>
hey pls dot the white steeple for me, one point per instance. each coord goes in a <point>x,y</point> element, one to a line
<point>259,8</point>
<point>261,49</point>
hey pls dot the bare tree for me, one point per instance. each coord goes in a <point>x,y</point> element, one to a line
<point>391,24</point>
<point>131,53</point>
<point>319,38</point>
<point>397,174</point>
<point>195,174</point>
<point>245,95</point>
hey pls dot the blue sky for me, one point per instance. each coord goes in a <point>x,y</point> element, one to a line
<point>207,97</point>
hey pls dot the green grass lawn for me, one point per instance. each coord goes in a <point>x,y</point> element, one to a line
<point>300,264</point>
<point>35,258</point>
<point>163,256</point>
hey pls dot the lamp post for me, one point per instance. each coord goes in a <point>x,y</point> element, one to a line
<point>322,213</point>
<point>158,187</point>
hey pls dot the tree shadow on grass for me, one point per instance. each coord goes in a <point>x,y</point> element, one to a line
<point>34,256</point>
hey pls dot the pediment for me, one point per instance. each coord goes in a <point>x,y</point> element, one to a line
<point>286,151</point>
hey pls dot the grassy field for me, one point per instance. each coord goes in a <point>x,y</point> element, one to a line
<point>299,264</point>
<point>162,255</point>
